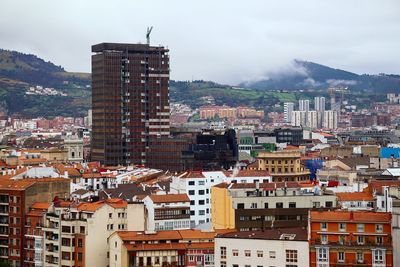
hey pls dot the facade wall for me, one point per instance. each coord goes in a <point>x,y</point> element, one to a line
<point>273,252</point>
<point>223,215</point>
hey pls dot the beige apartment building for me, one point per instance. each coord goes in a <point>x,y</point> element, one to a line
<point>75,234</point>
<point>283,165</point>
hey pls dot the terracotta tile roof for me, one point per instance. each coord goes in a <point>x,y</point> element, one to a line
<point>248,173</point>
<point>141,236</point>
<point>32,161</point>
<point>116,203</point>
<point>15,184</point>
<point>92,175</point>
<point>376,186</point>
<point>192,174</point>
<point>196,234</point>
<point>355,196</point>
<point>169,198</point>
<point>72,172</point>
<point>36,213</point>
<point>356,216</point>
<point>40,205</point>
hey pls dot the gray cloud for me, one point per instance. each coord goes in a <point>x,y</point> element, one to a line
<point>225,41</point>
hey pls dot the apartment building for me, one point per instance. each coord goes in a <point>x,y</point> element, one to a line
<point>350,238</point>
<point>274,247</point>
<point>356,201</point>
<point>288,108</point>
<point>34,234</point>
<point>164,248</point>
<point>197,185</point>
<point>16,196</point>
<point>75,234</point>
<point>283,165</point>
<point>249,207</point>
<point>167,212</point>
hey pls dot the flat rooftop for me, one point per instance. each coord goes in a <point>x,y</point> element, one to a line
<point>123,47</point>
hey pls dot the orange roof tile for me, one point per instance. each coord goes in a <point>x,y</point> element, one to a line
<point>141,236</point>
<point>40,205</point>
<point>356,216</point>
<point>169,198</point>
<point>355,196</point>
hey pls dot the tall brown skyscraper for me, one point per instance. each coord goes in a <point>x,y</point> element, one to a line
<point>130,101</point>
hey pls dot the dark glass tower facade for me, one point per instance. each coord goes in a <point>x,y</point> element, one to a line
<point>130,101</point>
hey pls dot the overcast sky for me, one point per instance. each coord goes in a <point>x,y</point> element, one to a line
<point>226,41</point>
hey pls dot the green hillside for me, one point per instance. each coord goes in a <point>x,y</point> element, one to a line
<point>20,71</point>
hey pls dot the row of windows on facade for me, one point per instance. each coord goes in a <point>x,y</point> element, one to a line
<point>200,182</point>
<point>360,227</point>
<point>361,240</point>
<point>201,212</point>
<point>200,202</point>
<point>9,199</point>
<point>179,224</point>
<point>200,192</point>
<point>273,218</point>
<point>279,205</point>
<point>120,215</point>
<point>280,161</point>
<point>121,226</point>
<point>323,256</point>
<point>291,255</point>
<point>10,209</point>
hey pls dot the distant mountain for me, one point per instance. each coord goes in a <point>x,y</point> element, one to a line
<point>19,72</point>
<point>309,75</point>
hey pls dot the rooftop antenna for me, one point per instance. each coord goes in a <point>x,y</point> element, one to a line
<point>149,29</point>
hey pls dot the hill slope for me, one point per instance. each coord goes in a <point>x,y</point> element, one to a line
<point>19,72</point>
<point>310,75</point>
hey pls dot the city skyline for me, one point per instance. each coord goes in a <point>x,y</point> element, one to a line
<point>339,34</point>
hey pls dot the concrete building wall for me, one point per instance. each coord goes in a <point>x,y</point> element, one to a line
<point>268,249</point>
<point>223,214</point>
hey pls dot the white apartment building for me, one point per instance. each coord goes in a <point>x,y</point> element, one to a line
<point>275,247</point>
<point>75,234</point>
<point>330,120</point>
<point>319,103</point>
<point>288,108</point>
<point>305,118</point>
<point>167,212</point>
<point>197,185</point>
<point>304,105</point>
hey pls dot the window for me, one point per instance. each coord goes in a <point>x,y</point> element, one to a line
<point>202,183</point>
<point>322,254</point>
<point>192,203</point>
<point>201,192</point>
<point>342,239</point>
<point>110,215</point>
<point>360,257</point>
<point>324,226</point>
<point>360,227</point>
<point>247,253</point>
<point>202,212</point>
<point>223,252</point>
<point>328,204</point>
<point>291,255</point>
<point>340,256</point>
<point>191,182</point>
<point>342,227</point>
<point>191,192</point>
<point>378,256</point>
<point>223,264</point>
<point>265,205</point>
<point>292,204</point>
<point>316,204</point>
<point>201,202</point>
<point>279,205</point>
<point>360,240</point>
<point>235,252</point>
<point>324,239</point>
<point>240,205</point>
<point>260,253</point>
<point>379,240</point>
<point>378,228</point>
<point>253,206</point>
<point>272,254</point>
